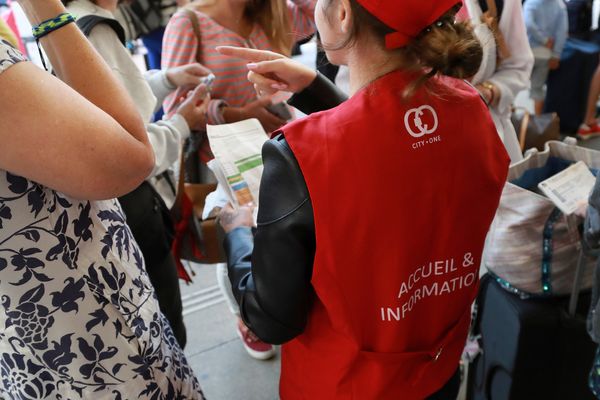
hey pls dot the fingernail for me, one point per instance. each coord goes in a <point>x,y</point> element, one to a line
<point>251,65</point>
<point>279,86</point>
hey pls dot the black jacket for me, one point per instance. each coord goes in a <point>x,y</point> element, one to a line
<point>270,273</point>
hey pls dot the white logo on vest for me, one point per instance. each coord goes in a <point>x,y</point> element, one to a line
<point>414,122</point>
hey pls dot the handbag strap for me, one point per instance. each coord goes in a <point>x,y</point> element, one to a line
<point>523,128</point>
<point>548,250</point>
<point>191,15</point>
<point>177,204</point>
<point>196,27</point>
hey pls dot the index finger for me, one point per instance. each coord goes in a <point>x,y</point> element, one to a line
<point>252,55</point>
<point>228,207</point>
<point>199,92</point>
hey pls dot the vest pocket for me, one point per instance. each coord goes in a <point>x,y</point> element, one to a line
<point>414,372</point>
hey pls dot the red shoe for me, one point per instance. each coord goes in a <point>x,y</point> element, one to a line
<point>586,132</point>
<point>253,345</point>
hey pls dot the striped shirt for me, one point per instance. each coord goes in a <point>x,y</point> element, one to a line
<point>231,85</point>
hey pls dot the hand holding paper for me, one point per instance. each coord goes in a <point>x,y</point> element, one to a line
<point>238,161</point>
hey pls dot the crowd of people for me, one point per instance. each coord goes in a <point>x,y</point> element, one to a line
<point>88,282</point>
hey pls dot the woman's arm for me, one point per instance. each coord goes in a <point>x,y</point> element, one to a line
<point>168,135</point>
<point>514,73</point>
<point>88,148</point>
<point>271,72</point>
<point>180,47</point>
<point>164,82</point>
<point>75,61</point>
<point>271,278</point>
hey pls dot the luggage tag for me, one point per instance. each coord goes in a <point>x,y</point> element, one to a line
<point>569,189</point>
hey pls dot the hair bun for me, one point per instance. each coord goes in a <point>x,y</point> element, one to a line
<point>449,48</point>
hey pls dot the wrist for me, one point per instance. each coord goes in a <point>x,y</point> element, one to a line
<point>232,114</point>
<point>491,89</point>
<point>50,25</point>
<point>169,79</point>
<point>311,75</point>
<point>181,124</point>
<point>185,117</point>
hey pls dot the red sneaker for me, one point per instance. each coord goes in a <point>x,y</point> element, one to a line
<point>586,132</point>
<point>253,345</point>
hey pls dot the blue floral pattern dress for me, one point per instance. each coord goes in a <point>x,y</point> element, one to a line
<point>79,318</point>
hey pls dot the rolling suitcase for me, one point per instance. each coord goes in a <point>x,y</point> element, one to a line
<point>531,348</point>
<point>569,85</point>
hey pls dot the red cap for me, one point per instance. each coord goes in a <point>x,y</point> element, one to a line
<point>407,17</point>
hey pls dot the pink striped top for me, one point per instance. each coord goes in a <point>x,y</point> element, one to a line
<point>231,85</point>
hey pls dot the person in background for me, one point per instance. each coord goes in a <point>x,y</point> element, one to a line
<point>507,62</point>
<point>590,127</point>
<point>371,306</point>
<point>262,24</point>
<point>547,29</point>
<point>79,315</point>
<point>153,40</point>
<point>146,211</point>
<point>7,34</point>
<point>147,20</point>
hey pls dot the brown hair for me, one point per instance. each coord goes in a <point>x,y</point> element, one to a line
<point>446,47</point>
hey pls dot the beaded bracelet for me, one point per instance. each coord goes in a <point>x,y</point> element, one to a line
<point>49,26</point>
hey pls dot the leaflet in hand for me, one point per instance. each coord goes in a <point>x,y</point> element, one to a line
<point>238,162</point>
<point>570,188</point>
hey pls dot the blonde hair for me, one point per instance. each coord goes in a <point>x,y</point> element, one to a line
<point>271,15</point>
<point>274,19</point>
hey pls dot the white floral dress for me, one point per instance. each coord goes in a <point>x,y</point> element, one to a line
<point>79,318</point>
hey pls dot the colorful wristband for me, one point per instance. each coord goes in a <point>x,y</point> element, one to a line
<point>49,26</point>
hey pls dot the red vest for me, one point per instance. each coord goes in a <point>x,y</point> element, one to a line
<point>403,194</point>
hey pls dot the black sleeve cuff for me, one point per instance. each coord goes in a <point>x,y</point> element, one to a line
<point>320,95</point>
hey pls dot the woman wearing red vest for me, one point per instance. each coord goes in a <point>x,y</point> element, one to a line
<point>373,213</point>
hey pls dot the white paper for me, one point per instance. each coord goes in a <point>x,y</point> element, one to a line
<point>238,166</point>
<point>570,188</point>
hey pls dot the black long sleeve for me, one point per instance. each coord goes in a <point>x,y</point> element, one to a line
<point>320,95</point>
<point>271,282</point>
